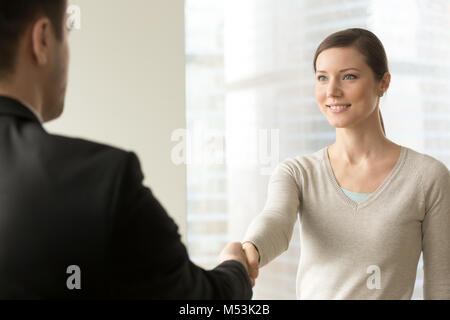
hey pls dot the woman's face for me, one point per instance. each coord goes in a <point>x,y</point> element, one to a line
<point>343,78</point>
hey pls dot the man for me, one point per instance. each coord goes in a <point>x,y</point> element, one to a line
<point>75,219</point>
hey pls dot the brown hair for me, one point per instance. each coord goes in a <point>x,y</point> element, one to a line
<point>16,16</point>
<point>366,43</point>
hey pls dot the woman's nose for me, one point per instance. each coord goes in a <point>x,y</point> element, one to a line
<point>333,89</point>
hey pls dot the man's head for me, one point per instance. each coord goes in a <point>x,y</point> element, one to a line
<point>34,53</point>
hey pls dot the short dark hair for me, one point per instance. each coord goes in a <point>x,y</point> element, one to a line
<point>16,16</point>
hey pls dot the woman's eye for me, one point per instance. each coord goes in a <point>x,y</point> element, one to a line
<point>319,77</point>
<point>350,75</point>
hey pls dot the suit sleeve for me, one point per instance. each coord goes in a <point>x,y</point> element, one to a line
<point>148,259</point>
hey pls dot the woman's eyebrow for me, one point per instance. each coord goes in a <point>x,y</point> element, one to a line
<point>343,70</point>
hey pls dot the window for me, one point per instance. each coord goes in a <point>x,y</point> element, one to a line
<point>250,82</point>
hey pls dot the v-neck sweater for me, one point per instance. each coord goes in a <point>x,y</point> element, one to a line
<point>365,250</point>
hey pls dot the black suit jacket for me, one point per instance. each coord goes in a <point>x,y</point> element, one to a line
<point>71,202</point>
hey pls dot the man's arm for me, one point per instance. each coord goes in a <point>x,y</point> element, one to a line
<point>148,259</point>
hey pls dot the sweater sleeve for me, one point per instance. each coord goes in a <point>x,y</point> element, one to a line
<point>436,234</point>
<point>271,231</point>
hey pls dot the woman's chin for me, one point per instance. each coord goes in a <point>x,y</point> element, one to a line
<point>339,124</point>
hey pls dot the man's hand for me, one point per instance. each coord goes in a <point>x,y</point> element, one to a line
<point>234,251</point>
<point>252,256</point>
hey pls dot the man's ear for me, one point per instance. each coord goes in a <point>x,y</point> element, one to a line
<point>40,40</point>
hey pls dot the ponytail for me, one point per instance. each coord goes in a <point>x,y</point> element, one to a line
<point>382,122</point>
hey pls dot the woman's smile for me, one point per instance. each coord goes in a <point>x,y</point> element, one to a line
<point>336,108</point>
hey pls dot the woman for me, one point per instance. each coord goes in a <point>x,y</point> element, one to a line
<point>367,206</point>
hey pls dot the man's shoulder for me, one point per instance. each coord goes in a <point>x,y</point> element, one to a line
<point>74,147</point>
<point>88,156</point>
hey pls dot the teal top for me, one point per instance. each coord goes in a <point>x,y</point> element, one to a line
<point>355,196</point>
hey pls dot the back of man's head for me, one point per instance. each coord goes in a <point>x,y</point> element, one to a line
<point>34,53</point>
<point>16,16</point>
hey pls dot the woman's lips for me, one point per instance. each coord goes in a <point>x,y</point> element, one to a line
<point>338,109</point>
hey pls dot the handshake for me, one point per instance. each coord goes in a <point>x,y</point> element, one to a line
<point>246,253</point>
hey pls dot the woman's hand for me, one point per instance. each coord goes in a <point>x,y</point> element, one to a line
<point>252,260</point>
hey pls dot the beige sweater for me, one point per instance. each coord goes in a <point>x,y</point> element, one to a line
<point>368,250</point>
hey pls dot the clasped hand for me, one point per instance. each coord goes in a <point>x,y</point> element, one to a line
<point>246,253</point>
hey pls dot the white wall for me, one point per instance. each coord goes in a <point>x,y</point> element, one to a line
<point>126,87</point>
